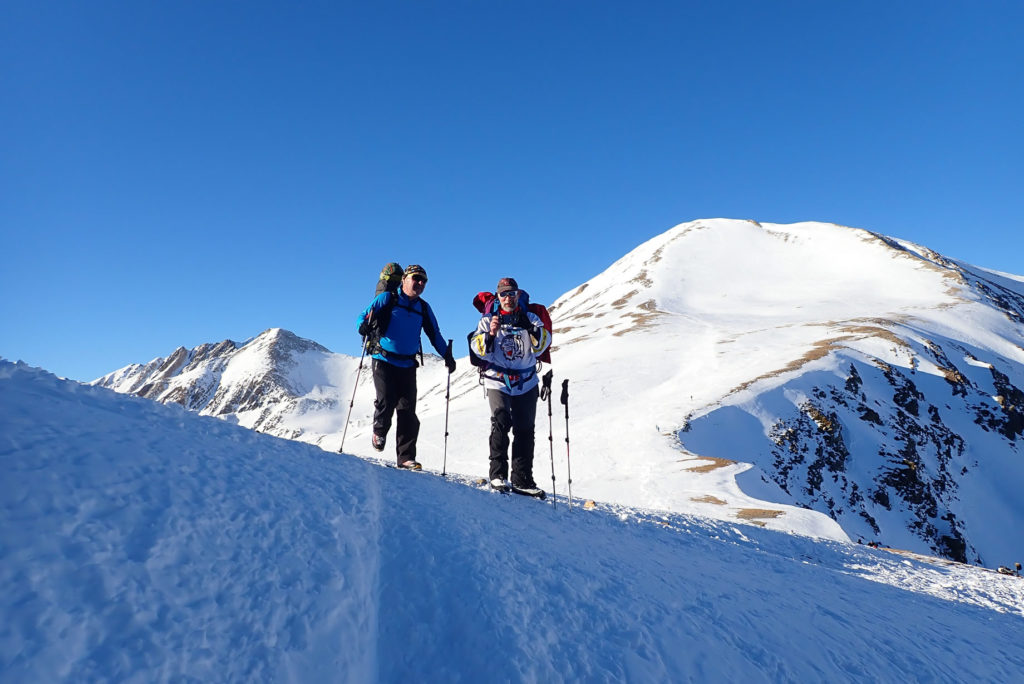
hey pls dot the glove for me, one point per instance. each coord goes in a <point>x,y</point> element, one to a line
<point>449,361</point>
<point>364,329</point>
<point>523,321</point>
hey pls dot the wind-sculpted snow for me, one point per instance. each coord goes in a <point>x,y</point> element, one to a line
<point>141,542</point>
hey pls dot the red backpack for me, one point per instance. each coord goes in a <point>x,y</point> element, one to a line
<point>487,303</point>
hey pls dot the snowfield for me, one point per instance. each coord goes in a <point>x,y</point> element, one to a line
<point>142,542</point>
<point>809,378</point>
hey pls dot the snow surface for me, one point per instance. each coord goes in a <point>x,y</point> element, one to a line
<point>713,315</point>
<point>141,542</point>
<point>681,356</point>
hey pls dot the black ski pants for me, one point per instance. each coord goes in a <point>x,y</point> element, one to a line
<point>518,414</point>
<point>396,391</point>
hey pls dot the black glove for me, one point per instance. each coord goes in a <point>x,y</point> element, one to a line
<point>449,360</point>
<point>523,321</point>
<point>364,329</point>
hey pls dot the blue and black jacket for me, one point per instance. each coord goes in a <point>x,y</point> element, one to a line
<point>401,340</point>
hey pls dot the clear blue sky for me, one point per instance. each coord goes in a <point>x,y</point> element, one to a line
<point>173,173</point>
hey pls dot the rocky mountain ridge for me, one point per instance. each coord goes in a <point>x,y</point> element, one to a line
<point>252,383</point>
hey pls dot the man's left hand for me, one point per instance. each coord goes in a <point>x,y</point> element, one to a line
<point>523,321</point>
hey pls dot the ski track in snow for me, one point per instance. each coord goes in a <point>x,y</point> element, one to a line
<point>144,543</point>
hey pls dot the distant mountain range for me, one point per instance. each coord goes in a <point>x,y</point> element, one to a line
<point>255,384</point>
<point>775,374</point>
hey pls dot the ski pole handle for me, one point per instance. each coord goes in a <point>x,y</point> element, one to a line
<point>565,393</point>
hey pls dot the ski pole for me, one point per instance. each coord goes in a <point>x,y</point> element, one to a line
<point>545,393</point>
<point>447,398</point>
<point>568,465</point>
<point>352,402</point>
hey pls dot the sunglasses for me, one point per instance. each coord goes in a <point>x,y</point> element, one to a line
<point>508,293</point>
<point>418,279</point>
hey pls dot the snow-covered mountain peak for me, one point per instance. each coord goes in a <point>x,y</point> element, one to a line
<point>250,383</point>
<point>810,378</point>
<point>283,343</point>
<point>833,368</point>
<point>750,276</point>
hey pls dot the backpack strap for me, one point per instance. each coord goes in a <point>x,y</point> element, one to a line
<point>428,326</point>
<point>379,322</point>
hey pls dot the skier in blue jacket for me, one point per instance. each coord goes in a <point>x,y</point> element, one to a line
<point>392,324</point>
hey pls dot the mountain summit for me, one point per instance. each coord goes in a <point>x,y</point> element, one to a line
<point>825,367</point>
<point>254,384</point>
<point>811,378</point>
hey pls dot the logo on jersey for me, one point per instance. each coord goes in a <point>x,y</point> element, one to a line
<point>512,347</point>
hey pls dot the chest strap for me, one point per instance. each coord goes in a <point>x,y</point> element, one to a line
<point>512,377</point>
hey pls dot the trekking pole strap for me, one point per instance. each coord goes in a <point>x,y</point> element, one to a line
<point>546,385</point>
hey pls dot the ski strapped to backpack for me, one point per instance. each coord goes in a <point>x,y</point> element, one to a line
<point>487,303</point>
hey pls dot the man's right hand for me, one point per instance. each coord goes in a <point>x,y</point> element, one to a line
<point>364,329</point>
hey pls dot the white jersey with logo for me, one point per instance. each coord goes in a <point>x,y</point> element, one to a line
<point>511,354</point>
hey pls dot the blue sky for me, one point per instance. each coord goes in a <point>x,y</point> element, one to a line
<point>185,172</point>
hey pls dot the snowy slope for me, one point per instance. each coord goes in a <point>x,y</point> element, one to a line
<point>810,378</point>
<point>141,542</point>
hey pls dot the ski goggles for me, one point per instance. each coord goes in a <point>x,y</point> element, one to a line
<point>508,293</point>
